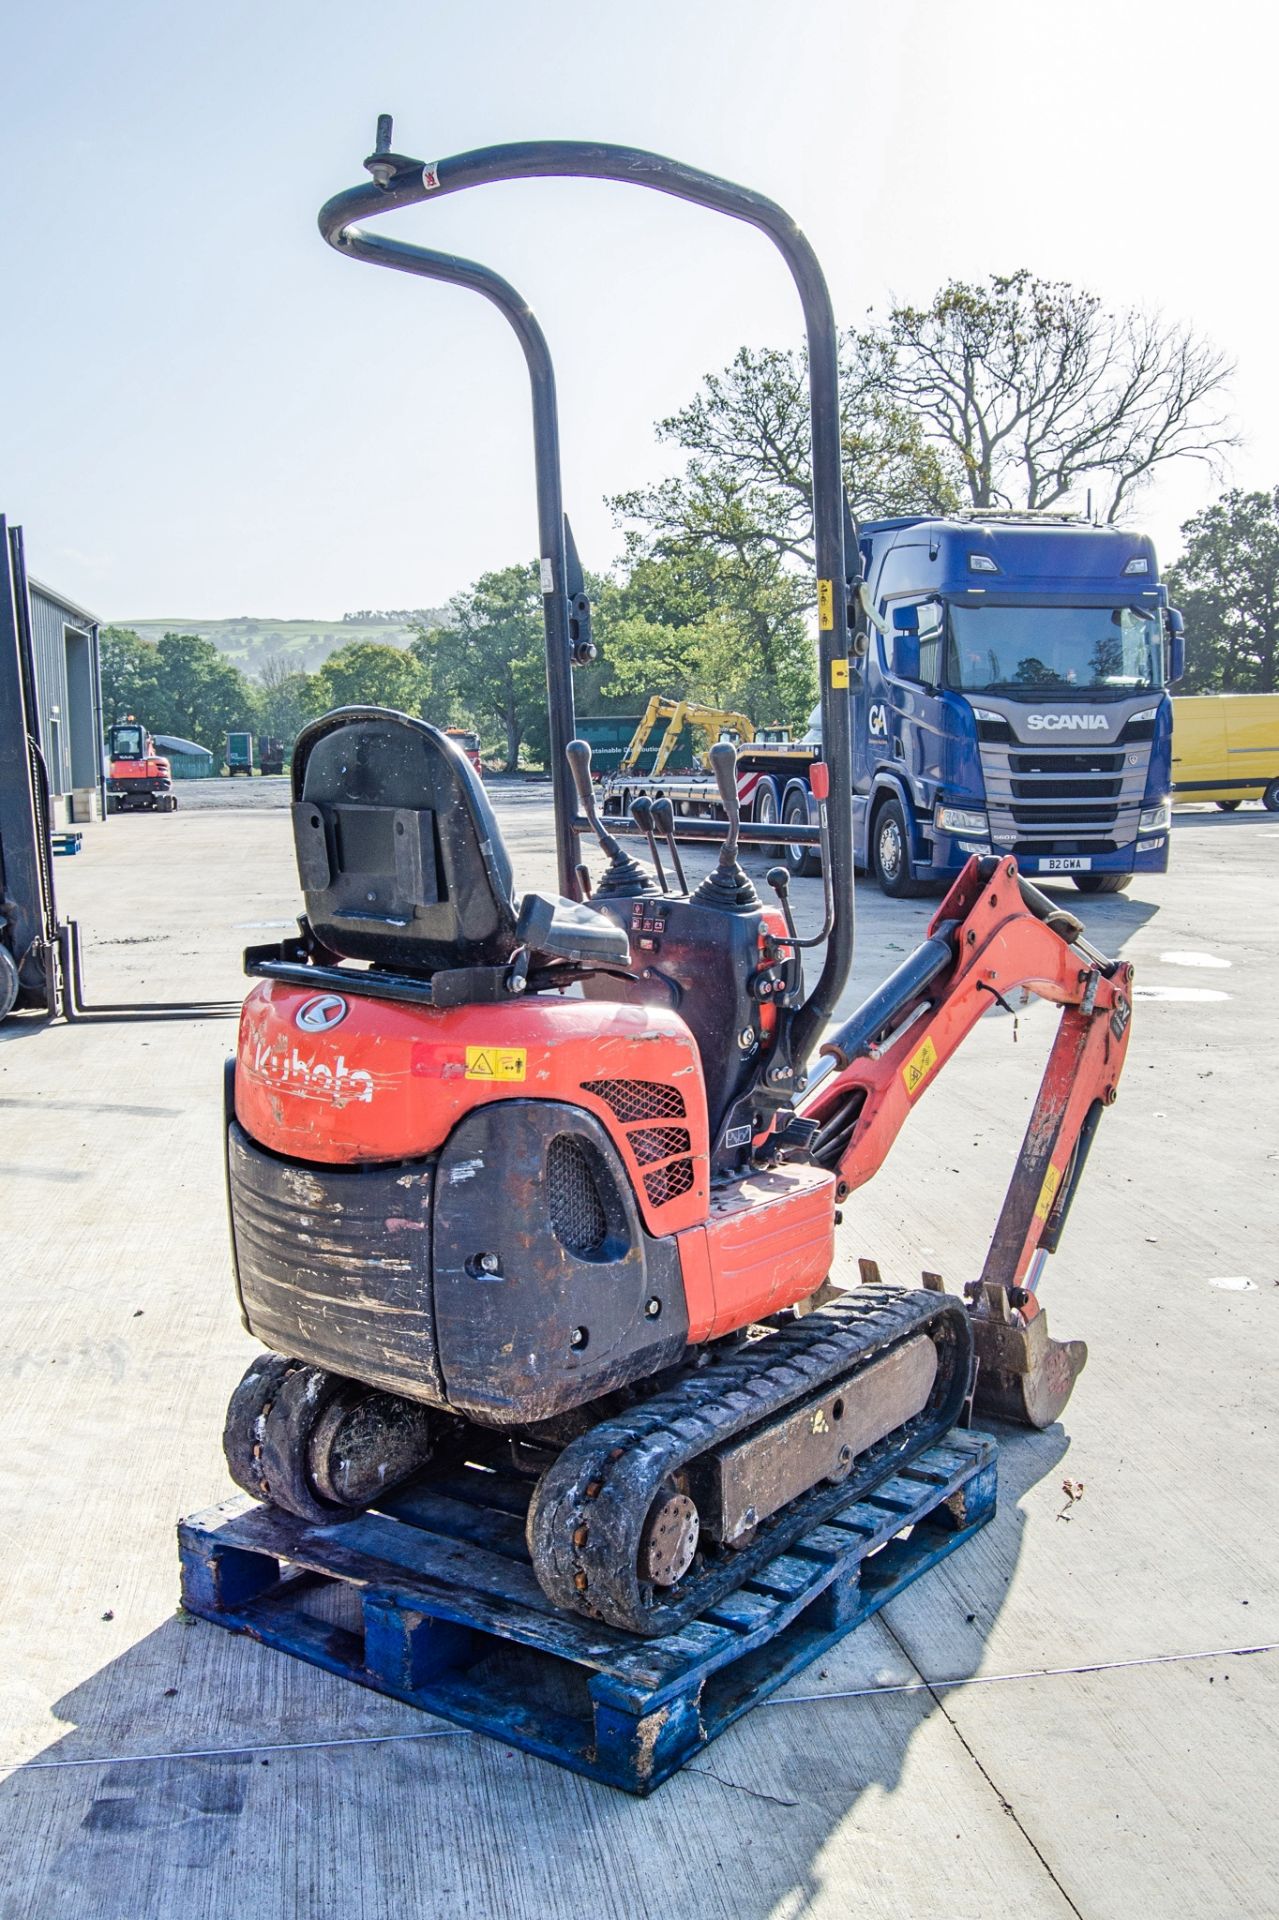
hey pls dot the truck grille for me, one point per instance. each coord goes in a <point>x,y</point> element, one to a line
<point>1048,799</point>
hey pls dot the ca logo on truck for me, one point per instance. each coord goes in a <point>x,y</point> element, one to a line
<point>1067,723</point>
<point>322,1012</point>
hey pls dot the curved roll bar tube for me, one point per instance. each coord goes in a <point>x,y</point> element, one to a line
<point>400,181</point>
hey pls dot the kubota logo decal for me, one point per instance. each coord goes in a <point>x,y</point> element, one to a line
<point>320,1013</point>
<point>1067,723</point>
<point>308,1076</point>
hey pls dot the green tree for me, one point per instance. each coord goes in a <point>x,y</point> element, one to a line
<point>730,632</point>
<point>1227,586</point>
<point>367,673</point>
<point>1039,393</point>
<point>746,487</point>
<point>198,693</point>
<point>130,673</point>
<point>486,661</point>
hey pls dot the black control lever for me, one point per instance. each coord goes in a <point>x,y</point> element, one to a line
<point>724,767</point>
<point>726,886</point>
<point>578,755</point>
<point>778,879</point>
<point>664,821</point>
<point>642,815</point>
<point>625,877</point>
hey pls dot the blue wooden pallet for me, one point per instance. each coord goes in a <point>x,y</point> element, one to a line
<point>66,841</point>
<point>432,1599</point>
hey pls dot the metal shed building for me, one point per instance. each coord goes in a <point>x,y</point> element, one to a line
<point>68,680</point>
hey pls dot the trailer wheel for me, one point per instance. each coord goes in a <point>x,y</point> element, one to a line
<point>766,812</point>
<point>1103,882</point>
<point>1270,798</point>
<point>890,851</point>
<point>8,982</point>
<point>1229,806</point>
<point>803,862</point>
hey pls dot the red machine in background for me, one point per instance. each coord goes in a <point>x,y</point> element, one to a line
<point>590,1234</point>
<point>468,743</point>
<point>138,777</point>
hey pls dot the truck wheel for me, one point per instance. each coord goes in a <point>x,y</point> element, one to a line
<point>1103,882</point>
<point>8,982</point>
<point>803,862</point>
<point>766,813</point>
<point>1270,798</point>
<point>890,852</point>
<point>1229,806</point>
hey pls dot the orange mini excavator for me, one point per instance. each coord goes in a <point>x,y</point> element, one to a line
<point>138,777</point>
<point>556,1177</point>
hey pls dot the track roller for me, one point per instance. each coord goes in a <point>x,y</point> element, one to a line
<point>654,1515</point>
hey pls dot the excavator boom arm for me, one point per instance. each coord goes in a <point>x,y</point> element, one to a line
<point>992,936</point>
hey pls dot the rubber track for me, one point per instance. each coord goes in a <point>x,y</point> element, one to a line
<point>590,1506</point>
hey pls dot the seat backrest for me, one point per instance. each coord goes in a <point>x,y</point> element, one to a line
<point>399,854</point>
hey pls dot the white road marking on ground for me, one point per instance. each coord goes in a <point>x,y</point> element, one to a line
<point>1180,959</point>
<point>1178,993</point>
<point>1235,1283</point>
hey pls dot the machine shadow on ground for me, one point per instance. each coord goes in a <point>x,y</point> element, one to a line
<point>197,1822</point>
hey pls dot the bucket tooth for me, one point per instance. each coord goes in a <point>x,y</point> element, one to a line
<point>1023,1374</point>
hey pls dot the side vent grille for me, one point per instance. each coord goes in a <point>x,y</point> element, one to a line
<point>667,1183</point>
<point>576,1209</point>
<point>658,1143</point>
<point>636,1101</point>
<point>633,1100</point>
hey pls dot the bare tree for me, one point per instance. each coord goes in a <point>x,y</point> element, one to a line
<point>1040,392</point>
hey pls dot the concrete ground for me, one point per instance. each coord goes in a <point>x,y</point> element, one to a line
<point>1060,1721</point>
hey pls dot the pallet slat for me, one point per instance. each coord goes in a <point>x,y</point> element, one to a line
<point>451,1618</point>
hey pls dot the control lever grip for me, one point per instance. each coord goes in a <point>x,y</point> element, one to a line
<point>642,815</point>
<point>778,879</point>
<point>664,821</point>
<point>578,755</point>
<point>724,767</point>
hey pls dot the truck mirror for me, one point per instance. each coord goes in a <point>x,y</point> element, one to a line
<point>1176,646</point>
<point>906,642</point>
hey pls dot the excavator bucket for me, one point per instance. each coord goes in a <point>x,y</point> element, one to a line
<point>1023,1374</point>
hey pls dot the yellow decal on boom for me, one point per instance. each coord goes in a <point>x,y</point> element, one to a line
<point>825,605</point>
<point>919,1066</point>
<point>1047,1193</point>
<point>839,673</point>
<point>496,1063</point>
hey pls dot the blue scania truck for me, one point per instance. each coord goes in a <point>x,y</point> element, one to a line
<point>1013,699</point>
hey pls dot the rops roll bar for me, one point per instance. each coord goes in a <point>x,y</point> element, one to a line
<point>401,181</point>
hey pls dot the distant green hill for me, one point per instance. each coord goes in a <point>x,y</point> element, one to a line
<point>304,645</point>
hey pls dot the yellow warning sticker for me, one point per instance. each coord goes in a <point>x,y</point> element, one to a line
<point>919,1066</point>
<point>1047,1193</point>
<point>839,673</point>
<point>496,1063</point>
<point>825,605</point>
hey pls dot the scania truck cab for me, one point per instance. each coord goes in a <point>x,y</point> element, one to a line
<point>1013,699</point>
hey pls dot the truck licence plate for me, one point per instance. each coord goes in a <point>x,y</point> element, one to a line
<point>1080,865</point>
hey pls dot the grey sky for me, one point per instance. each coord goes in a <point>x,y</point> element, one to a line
<point>207,413</point>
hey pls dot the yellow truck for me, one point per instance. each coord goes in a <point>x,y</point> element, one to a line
<point>1225,747</point>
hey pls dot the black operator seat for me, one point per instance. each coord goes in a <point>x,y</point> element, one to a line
<point>402,861</point>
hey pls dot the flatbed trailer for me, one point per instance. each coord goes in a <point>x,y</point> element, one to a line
<point>773,785</point>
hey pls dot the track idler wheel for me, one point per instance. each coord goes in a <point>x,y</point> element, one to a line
<point>319,1445</point>
<point>1023,1374</point>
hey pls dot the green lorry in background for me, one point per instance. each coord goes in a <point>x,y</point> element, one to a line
<point>239,753</point>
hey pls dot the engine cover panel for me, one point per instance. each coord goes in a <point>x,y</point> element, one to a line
<point>548,1292</point>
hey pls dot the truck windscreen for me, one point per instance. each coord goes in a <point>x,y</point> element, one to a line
<point>1054,649</point>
